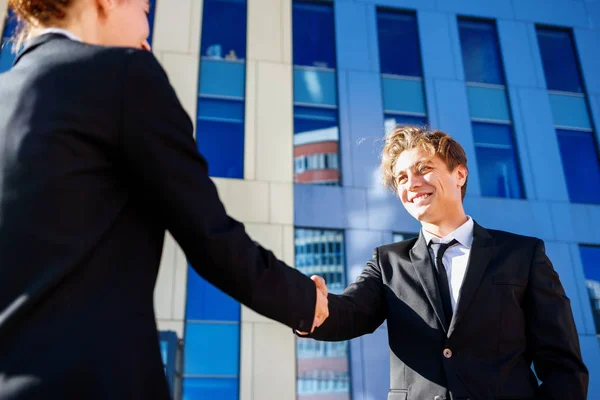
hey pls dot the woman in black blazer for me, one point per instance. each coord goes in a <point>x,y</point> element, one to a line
<point>97,161</point>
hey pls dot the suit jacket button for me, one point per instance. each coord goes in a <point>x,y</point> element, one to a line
<point>438,398</point>
<point>447,353</point>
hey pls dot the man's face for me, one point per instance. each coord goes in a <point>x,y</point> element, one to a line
<point>427,189</point>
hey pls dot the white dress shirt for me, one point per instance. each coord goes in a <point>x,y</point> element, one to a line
<point>59,31</point>
<point>455,258</point>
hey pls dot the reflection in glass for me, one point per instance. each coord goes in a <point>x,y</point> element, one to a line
<point>581,165</point>
<point>220,136</point>
<point>316,146</point>
<point>224,30</point>
<point>323,367</point>
<point>590,258</point>
<point>6,53</point>
<point>559,60</point>
<point>210,388</point>
<point>391,121</point>
<point>399,52</point>
<point>398,237</point>
<point>313,34</point>
<point>496,160</point>
<point>316,129</point>
<point>480,52</point>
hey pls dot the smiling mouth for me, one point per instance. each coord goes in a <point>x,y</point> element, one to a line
<point>420,198</point>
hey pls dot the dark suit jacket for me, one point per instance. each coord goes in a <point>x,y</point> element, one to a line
<point>512,311</point>
<point>97,160</point>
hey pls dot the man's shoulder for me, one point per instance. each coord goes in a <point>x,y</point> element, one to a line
<point>503,237</point>
<point>401,248</point>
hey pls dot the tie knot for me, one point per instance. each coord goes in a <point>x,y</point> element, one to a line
<point>444,247</point>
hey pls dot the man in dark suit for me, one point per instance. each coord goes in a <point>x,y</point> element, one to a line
<point>97,161</point>
<point>468,309</point>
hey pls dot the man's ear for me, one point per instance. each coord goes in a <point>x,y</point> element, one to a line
<point>461,172</point>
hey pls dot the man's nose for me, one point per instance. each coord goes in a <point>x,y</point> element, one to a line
<point>414,180</point>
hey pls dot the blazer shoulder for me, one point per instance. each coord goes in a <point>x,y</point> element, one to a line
<point>503,237</point>
<point>399,248</point>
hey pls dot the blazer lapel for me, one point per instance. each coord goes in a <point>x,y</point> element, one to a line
<point>481,253</point>
<point>421,261</point>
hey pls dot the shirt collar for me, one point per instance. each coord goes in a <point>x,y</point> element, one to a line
<point>60,31</point>
<point>463,234</point>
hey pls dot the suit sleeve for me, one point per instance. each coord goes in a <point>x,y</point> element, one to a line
<point>552,335</point>
<point>359,310</point>
<point>161,157</point>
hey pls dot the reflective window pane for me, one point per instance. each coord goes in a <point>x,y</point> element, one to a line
<point>210,388</point>
<point>480,52</point>
<point>6,53</point>
<point>391,121</point>
<point>313,34</point>
<point>220,136</point>
<point>581,165</point>
<point>323,367</point>
<point>398,237</point>
<point>206,302</point>
<point>212,349</point>
<point>497,164</point>
<point>316,146</point>
<point>559,60</point>
<point>590,258</point>
<point>399,52</point>
<point>224,29</point>
<point>151,14</point>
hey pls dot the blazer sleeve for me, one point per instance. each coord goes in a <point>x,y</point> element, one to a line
<point>161,157</point>
<point>359,310</point>
<point>552,335</point>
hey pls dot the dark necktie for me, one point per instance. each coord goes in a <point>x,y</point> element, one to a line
<point>442,279</point>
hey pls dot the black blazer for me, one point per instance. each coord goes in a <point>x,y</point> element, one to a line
<point>97,160</point>
<point>512,311</point>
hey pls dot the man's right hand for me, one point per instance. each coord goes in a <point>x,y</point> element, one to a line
<point>322,304</point>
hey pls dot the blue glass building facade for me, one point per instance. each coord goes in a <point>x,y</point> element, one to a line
<point>516,82</point>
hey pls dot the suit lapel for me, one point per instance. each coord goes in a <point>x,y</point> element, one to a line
<point>421,261</point>
<point>481,253</point>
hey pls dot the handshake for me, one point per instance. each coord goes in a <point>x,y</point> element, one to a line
<point>322,305</point>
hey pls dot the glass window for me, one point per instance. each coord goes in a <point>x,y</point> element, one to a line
<point>393,120</point>
<point>206,302</point>
<point>559,60</point>
<point>220,136</point>
<point>590,258</point>
<point>151,19</point>
<point>210,388</point>
<point>316,140</point>
<point>323,368</point>
<point>212,349</point>
<point>313,34</point>
<point>220,119</point>
<point>581,165</point>
<point>398,237</point>
<point>224,29</point>
<point>6,53</point>
<point>399,52</point>
<point>171,357</point>
<point>496,160</point>
<point>480,52</point>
